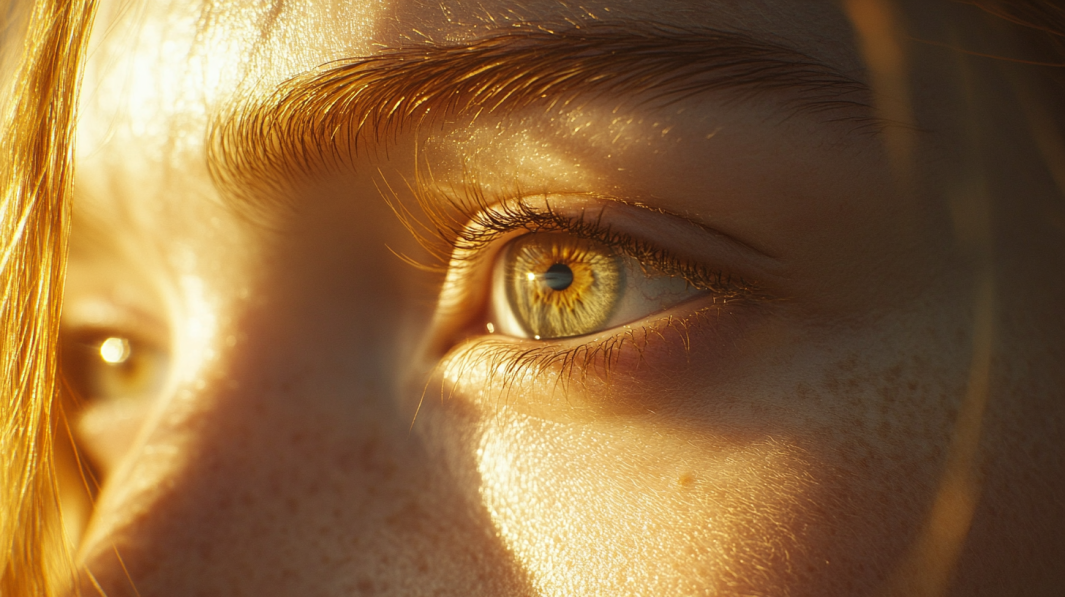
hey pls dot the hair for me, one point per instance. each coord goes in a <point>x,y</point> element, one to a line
<point>37,185</point>
<point>1045,20</point>
<point>35,210</point>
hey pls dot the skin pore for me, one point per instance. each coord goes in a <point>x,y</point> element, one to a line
<point>858,395</point>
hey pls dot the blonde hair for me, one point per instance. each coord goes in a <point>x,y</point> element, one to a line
<point>34,225</point>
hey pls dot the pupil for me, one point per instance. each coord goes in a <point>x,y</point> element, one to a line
<point>558,277</point>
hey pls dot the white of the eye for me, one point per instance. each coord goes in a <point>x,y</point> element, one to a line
<point>115,350</point>
<point>503,317</point>
<point>644,295</point>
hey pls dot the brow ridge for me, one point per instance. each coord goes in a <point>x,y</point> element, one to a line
<point>327,117</point>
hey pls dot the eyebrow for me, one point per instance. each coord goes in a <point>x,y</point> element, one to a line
<point>327,117</point>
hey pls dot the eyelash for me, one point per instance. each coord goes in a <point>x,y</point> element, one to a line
<point>459,232</point>
<point>509,363</point>
<point>488,225</point>
<point>460,235</point>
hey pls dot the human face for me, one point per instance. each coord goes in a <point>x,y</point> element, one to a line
<point>828,368</point>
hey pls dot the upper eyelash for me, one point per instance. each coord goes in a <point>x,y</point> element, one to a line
<point>458,237</point>
<point>488,225</point>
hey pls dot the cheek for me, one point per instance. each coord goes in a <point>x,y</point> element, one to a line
<point>601,509</point>
<point>703,466</point>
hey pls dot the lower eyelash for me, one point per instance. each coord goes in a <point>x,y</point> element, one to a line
<point>512,364</point>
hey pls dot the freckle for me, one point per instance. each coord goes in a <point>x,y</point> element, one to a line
<point>686,480</point>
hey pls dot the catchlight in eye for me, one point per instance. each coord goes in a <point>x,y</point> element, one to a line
<point>105,365</point>
<point>557,285</point>
<point>115,350</point>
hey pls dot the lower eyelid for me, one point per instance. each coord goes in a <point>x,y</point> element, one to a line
<point>535,377</point>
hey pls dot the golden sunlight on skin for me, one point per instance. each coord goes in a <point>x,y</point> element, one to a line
<point>790,440</point>
<point>163,66</point>
<point>680,515</point>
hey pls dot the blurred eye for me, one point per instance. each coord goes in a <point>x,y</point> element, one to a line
<point>101,365</point>
<point>114,378</point>
<point>557,285</point>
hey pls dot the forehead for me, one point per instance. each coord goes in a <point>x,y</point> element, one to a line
<point>164,67</point>
<point>159,72</point>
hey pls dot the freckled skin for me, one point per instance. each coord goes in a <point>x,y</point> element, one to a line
<point>821,439</point>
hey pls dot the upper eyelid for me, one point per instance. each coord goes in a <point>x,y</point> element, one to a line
<point>450,207</point>
<point>101,314</point>
<point>664,261</point>
<point>588,215</point>
<point>473,245</point>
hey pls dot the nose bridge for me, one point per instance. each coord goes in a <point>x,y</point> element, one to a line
<point>291,476</point>
<point>287,467</point>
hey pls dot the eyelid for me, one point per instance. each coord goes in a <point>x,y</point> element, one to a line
<point>633,229</point>
<point>102,314</point>
<point>500,372</point>
<point>627,229</point>
<point>634,217</point>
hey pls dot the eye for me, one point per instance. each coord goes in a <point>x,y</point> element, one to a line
<point>106,365</point>
<point>558,285</point>
<point>114,378</point>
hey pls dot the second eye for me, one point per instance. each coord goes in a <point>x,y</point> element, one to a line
<point>557,285</point>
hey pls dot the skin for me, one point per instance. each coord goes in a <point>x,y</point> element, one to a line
<point>884,418</point>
